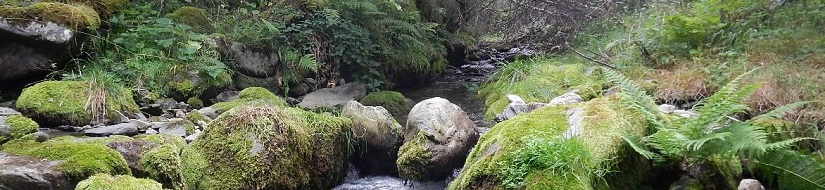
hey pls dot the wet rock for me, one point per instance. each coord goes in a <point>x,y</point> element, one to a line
<point>209,112</point>
<point>333,97</point>
<point>565,99</point>
<point>151,131</point>
<point>132,151</point>
<point>32,48</point>
<point>130,128</point>
<point>21,172</point>
<point>667,108</point>
<point>516,106</point>
<point>750,184</point>
<point>177,127</point>
<point>379,138</point>
<point>8,111</point>
<point>438,136</point>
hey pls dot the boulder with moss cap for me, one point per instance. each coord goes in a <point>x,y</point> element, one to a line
<point>394,102</point>
<point>37,34</point>
<point>378,136</point>
<point>438,136</point>
<point>597,145</point>
<point>268,147</point>
<point>250,96</point>
<point>15,126</point>
<point>65,103</point>
<point>119,182</point>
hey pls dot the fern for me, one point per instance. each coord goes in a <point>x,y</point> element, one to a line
<point>801,171</point>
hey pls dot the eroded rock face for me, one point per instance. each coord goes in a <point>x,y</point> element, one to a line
<point>333,97</point>
<point>438,137</point>
<point>379,138</point>
<point>21,172</point>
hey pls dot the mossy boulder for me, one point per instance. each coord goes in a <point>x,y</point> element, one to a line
<point>119,182</point>
<point>190,81</point>
<point>394,102</point>
<point>163,164</point>
<point>65,103</point>
<point>81,158</point>
<point>547,149</point>
<point>378,135</point>
<point>250,96</point>
<point>195,103</point>
<point>15,126</point>
<point>70,15</point>
<point>268,147</point>
<point>195,17</point>
<point>437,138</point>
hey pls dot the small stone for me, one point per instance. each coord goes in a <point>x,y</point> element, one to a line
<point>192,137</point>
<point>119,129</point>
<point>667,108</point>
<point>151,131</point>
<point>8,111</point>
<point>180,114</point>
<point>750,184</point>
<point>565,99</point>
<point>208,112</point>
<point>685,113</point>
<point>514,99</point>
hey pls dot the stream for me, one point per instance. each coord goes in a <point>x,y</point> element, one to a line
<point>459,86</point>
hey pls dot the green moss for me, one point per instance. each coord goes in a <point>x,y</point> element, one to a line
<point>163,164</point>
<point>196,103</point>
<point>119,182</point>
<point>414,158</point>
<point>187,125</point>
<point>393,101</point>
<point>74,16</point>
<point>538,80</point>
<point>195,17</point>
<point>187,87</point>
<point>268,147</point>
<point>504,145</point>
<point>194,117</point>
<point>251,96</point>
<point>64,102</point>
<point>163,139</point>
<point>19,127</point>
<point>82,159</point>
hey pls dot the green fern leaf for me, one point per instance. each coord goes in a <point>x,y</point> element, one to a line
<point>795,170</point>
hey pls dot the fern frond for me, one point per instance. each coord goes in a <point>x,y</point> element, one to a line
<point>404,27</point>
<point>639,148</point>
<point>635,97</point>
<point>794,169</point>
<point>781,111</point>
<point>363,6</point>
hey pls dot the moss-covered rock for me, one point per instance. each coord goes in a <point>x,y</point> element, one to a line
<point>190,81</point>
<point>65,102</point>
<point>268,147</point>
<point>195,17</point>
<point>82,158</point>
<point>119,182</point>
<point>17,126</point>
<point>196,117</point>
<point>195,102</point>
<point>251,96</point>
<point>539,80</point>
<point>73,16</point>
<point>163,164</point>
<point>394,102</point>
<point>508,156</point>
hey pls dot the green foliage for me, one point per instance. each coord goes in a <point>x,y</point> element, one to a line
<point>792,169</point>
<point>713,133</point>
<point>119,182</point>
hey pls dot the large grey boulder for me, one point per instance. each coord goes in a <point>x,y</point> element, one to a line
<point>517,106</point>
<point>379,136</point>
<point>334,97</point>
<point>252,62</point>
<point>565,99</point>
<point>177,127</point>
<point>438,136</point>
<point>750,184</point>
<point>32,48</point>
<point>20,172</point>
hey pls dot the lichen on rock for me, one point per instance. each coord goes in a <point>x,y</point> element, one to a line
<point>268,147</point>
